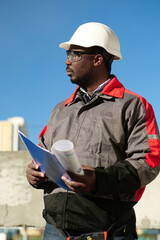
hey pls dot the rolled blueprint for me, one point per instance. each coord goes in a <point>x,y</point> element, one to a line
<point>64,151</point>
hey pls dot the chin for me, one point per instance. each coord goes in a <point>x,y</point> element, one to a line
<point>77,81</point>
<point>74,81</point>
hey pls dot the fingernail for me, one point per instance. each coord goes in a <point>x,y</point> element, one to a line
<point>37,166</point>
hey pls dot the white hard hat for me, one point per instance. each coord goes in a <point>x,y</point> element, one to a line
<point>95,34</point>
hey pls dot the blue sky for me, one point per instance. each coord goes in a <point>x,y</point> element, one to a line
<point>32,66</point>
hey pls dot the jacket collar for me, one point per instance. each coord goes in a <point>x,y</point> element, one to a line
<point>114,89</point>
<point>72,97</point>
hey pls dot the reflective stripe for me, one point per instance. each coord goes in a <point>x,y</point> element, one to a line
<point>105,235</point>
<point>153,136</point>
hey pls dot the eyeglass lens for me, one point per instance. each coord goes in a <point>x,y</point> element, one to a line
<point>73,55</point>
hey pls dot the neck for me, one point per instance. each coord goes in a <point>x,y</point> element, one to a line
<point>90,89</point>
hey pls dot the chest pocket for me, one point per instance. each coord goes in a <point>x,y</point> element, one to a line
<point>92,141</point>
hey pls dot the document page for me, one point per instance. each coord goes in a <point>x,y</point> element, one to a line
<point>48,162</point>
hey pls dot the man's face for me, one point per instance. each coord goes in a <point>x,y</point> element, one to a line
<point>81,71</point>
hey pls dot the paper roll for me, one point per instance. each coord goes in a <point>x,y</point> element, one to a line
<point>64,151</point>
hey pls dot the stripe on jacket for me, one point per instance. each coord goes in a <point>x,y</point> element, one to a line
<point>153,157</point>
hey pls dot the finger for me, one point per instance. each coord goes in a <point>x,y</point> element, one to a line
<point>74,186</point>
<point>67,181</point>
<point>34,173</point>
<point>34,176</point>
<point>32,165</point>
<point>88,168</point>
<point>76,177</point>
<point>35,180</point>
<point>70,184</point>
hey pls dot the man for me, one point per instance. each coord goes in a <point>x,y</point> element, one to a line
<point>115,136</point>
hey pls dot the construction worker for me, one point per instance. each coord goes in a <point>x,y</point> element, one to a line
<point>116,139</point>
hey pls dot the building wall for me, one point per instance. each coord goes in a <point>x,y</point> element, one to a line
<point>9,137</point>
<point>22,205</point>
<point>5,136</point>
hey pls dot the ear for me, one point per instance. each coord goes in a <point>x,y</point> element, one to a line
<point>98,59</point>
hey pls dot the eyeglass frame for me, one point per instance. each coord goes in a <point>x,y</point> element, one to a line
<point>80,53</point>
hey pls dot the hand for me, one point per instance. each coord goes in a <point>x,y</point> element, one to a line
<point>82,183</point>
<point>34,176</point>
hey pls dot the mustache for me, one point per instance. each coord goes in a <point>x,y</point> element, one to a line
<point>68,69</point>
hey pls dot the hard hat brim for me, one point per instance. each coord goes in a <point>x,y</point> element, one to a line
<point>66,45</point>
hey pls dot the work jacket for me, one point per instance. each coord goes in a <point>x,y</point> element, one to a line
<point>115,133</point>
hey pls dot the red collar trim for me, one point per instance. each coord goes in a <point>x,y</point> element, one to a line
<point>43,132</point>
<point>114,88</point>
<point>71,98</point>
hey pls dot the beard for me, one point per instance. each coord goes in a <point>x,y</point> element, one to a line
<point>78,81</point>
<point>84,76</point>
<point>83,82</point>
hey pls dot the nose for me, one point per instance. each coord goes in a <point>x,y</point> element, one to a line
<point>68,62</point>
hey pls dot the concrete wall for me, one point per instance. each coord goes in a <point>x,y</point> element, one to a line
<point>148,208</point>
<point>21,205</point>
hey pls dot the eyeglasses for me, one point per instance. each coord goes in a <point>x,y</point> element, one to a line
<point>74,56</point>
